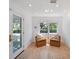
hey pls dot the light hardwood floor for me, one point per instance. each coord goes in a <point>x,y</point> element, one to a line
<point>45,52</point>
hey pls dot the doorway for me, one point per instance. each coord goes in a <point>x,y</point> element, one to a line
<point>17,34</point>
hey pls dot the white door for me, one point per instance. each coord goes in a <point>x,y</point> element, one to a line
<point>17,35</point>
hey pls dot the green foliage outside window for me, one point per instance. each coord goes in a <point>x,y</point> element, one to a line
<point>16,28</point>
<point>43,28</point>
<point>16,24</point>
<point>53,27</point>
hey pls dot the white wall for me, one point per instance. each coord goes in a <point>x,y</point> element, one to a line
<point>66,29</point>
<point>27,30</point>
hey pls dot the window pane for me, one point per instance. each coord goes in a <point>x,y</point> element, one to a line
<point>53,27</point>
<point>43,28</point>
<point>16,24</point>
<point>17,38</point>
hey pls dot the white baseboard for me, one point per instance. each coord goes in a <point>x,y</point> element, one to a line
<point>27,44</point>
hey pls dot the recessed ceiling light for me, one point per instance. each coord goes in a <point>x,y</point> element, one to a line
<point>46,10</point>
<point>57,5</point>
<point>30,5</point>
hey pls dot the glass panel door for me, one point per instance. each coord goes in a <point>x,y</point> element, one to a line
<point>17,36</point>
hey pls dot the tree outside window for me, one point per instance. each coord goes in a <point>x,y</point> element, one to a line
<point>53,27</point>
<point>43,28</point>
<point>16,24</point>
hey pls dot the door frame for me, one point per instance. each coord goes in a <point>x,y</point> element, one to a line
<point>22,33</point>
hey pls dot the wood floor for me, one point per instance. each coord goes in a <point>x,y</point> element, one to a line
<point>45,52</point>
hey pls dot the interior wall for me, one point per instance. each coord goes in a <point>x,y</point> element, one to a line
<point>27,30</point>
<point>66,29</point>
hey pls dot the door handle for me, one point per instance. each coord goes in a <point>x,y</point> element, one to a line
<point>10,38</point>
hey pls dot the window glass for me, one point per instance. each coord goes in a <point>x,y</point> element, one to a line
<point>53,27</point>
<point>17,36</point>
<point>43,28</point>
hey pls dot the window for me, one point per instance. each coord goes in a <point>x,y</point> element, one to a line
<point>16,28</point>
<point>43,28</point>
<point>53,27</point>
<point>17,36</point>
<point>16,24</point>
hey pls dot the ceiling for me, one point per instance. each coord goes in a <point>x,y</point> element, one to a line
<point>44,6</point>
